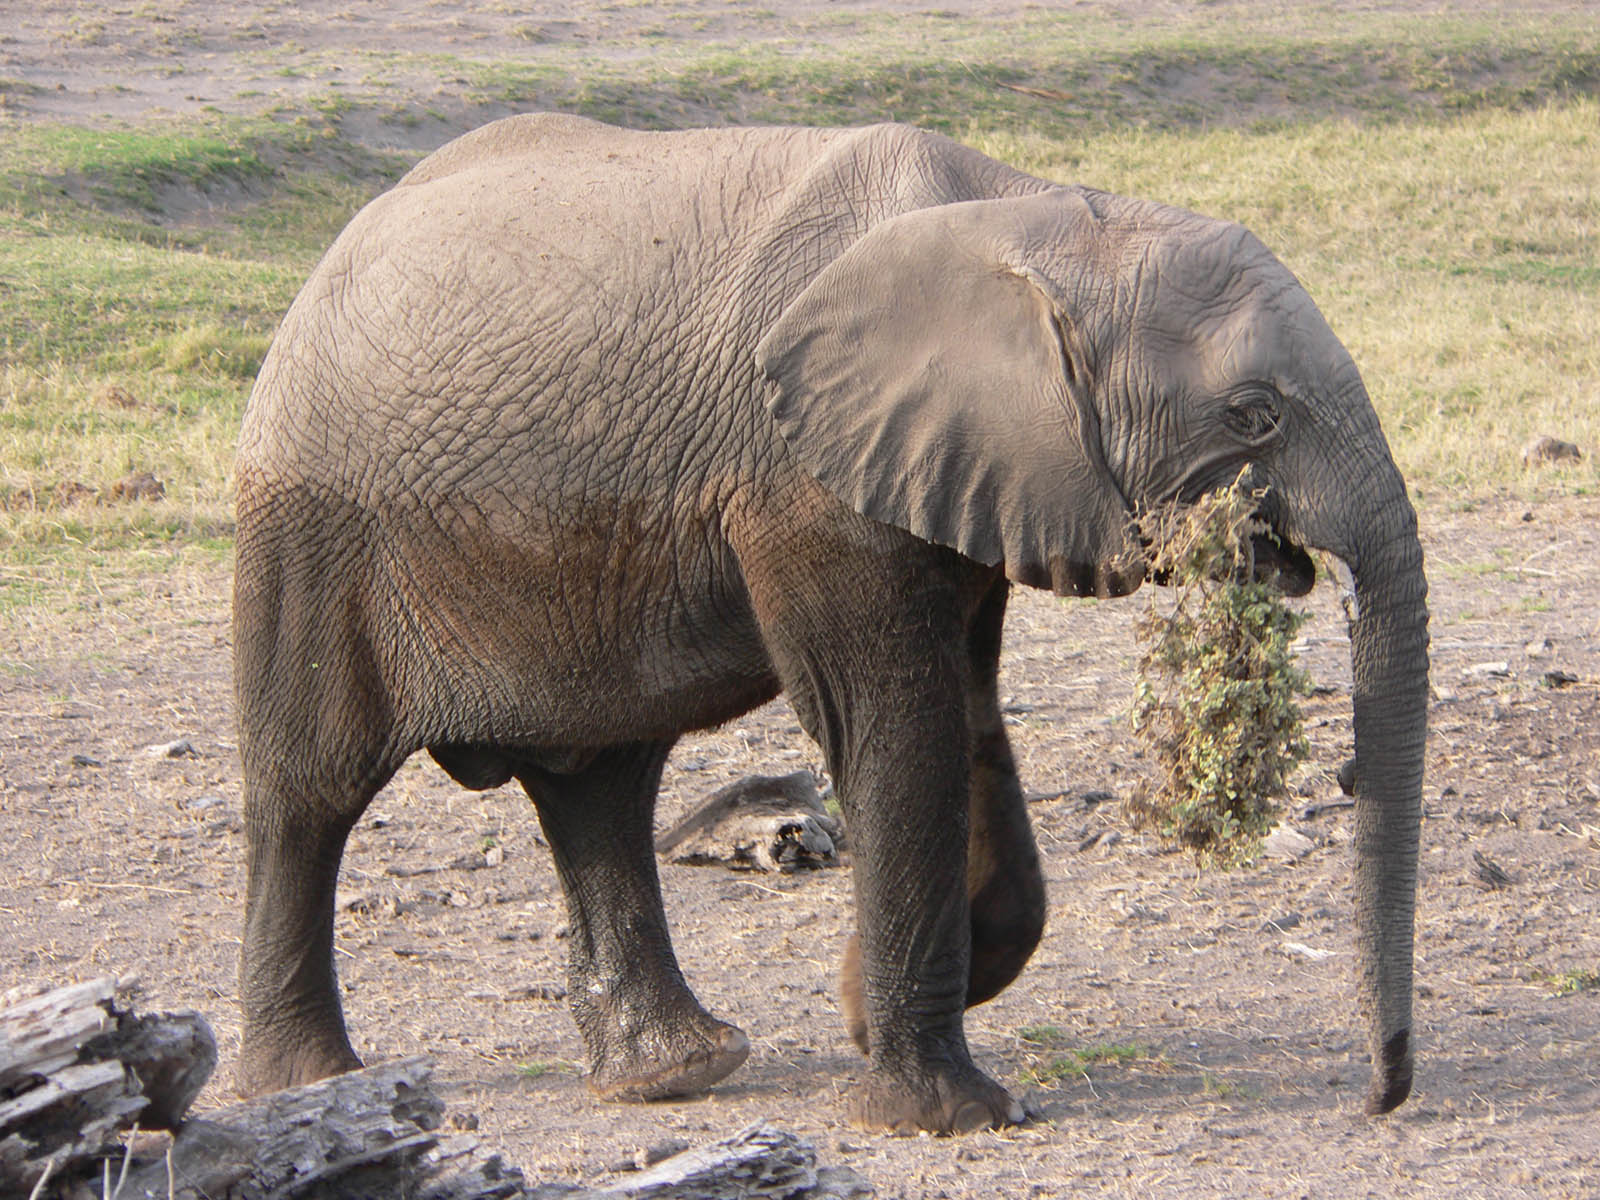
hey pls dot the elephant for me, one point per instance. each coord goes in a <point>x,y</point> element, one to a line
<point>580,438</point>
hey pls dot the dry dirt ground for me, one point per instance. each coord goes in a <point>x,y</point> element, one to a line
<point>1230,1058</point>
<point>1233,991</point>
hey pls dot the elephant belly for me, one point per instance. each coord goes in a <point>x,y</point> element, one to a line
<point>579,638</point>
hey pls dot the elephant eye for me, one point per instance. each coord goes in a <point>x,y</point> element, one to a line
<point>1253,416</point>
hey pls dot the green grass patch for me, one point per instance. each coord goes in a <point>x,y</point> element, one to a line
<point>539,1068</point>
<point>1570,983</point>
<point>1218,1088</point>
<point>1054,73</point>
<point>1066,1062</point>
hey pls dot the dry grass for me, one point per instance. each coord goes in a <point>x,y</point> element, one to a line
<point>1455,255</point>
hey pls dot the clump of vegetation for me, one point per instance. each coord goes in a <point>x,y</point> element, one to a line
<point>1570,983</point>
<point>1218,695</point>
<point>1075,1061</point>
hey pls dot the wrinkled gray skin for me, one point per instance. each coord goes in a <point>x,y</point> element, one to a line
<point>580,438</point>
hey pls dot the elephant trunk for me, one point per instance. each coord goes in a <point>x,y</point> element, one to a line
<point>1377,538</point>
<point>1389,667</point>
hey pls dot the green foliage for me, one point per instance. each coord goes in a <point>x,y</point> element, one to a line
<point>1570,983</point>
<point>1075,1061</point>
<point>1217,696</point>
<point>539,1068</point>
<point>1219,1088</point>
<point>208,349</point>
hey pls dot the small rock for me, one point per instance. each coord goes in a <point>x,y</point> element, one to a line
<point>1091,799</point>
<point>201,803</point>
<point>180,748</point>
<point>652,1154</point>
<point>1347,777</point>
<point>1488,670</point>
<point>1545,449</point>
<point>539,991</point>
<point>1282,924</point>
<point>1558,679</point>
<point>1287,843</point>
<point>1538,649</point>
<point>83,760</point>
<point>494,856</point>
<point>1310,953</point>
<point>1488,875</point>
<point>1143,913</point>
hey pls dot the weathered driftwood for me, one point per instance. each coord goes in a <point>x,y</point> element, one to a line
<point>77,1068</point>
<point>763,823</point>
<point>759,1161</point>
<point>368,1133</point>
<point>78,1073</point>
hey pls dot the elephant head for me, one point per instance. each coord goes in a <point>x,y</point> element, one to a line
<point>1015,378</point>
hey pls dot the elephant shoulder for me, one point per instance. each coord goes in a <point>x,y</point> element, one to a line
<point>509,137</point>
<point>914,168</point>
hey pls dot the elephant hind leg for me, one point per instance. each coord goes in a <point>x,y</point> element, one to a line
<point>317,740</point>
<point>647,1036</point>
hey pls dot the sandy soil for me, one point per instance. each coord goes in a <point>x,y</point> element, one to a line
<point>1237,989</point>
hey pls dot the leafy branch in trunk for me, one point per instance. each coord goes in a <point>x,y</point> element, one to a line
<point>1218,694</point>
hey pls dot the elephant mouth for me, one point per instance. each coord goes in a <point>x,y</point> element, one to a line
<point>1277,561</point>
<point>1274,560</point>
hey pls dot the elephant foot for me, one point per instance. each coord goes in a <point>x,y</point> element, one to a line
<point>954,1102</point>
<point>269,1066</point>
<point>688,1064</point>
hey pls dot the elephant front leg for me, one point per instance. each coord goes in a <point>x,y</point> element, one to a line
<point>647,1036</point>
<point>916,950</point>
<point>882,687</point>
<point>1005,883</point>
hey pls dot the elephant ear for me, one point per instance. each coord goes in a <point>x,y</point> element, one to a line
<point>932,379</point>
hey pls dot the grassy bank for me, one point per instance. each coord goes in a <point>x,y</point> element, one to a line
<point>143,270</point>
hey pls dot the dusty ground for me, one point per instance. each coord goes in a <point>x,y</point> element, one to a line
<point>1249,1070</point>
<point>1250,1074</point>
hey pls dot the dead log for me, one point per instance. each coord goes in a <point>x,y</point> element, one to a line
<point>372,1133</point>
<point>759,1161</point>
<point>763,823</point>
<point>77,1068</point>
<point>81,1077</point>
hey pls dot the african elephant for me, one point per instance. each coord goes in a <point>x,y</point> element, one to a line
<point>580,438</point>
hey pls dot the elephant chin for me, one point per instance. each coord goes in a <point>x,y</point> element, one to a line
<point>1119,577</point>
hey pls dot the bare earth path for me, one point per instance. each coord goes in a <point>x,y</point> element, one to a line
<point>1218,1051</point>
